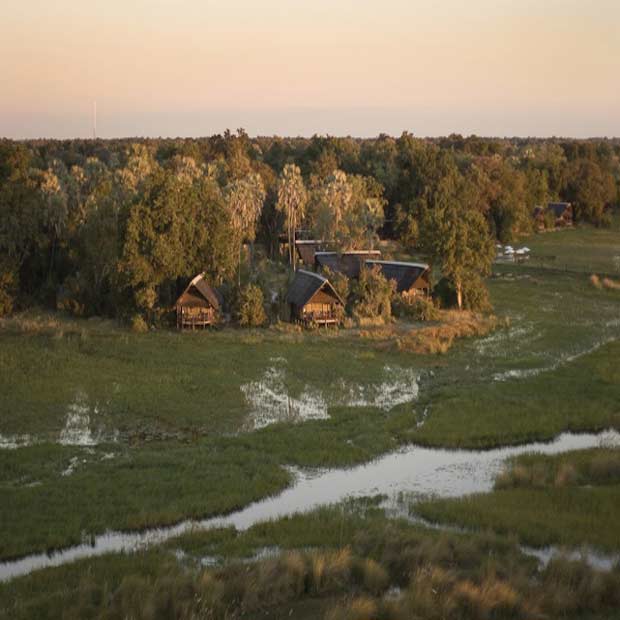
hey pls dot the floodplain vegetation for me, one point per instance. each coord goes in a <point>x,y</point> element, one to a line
<point>569,499</point>
<point>346,562</point>
<point>167,439</point>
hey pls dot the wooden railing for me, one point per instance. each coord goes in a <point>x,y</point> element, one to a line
<point>194,319</point>
<point>320,318</point>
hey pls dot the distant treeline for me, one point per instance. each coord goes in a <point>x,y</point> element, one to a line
<point>115,227</point>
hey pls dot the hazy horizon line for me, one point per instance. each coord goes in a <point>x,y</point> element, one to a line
<point>316,134</point>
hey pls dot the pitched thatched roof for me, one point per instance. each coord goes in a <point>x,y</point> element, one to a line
<point>348,263</point>
<point>197,290</point>
<point>405,274</point>
<point>305,285</point>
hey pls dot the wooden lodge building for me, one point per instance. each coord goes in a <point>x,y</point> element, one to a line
<point>312,299</point>
<point>562,213</point>
<point>411,278</point>
<point>199,305</point>
<point>347,263</point>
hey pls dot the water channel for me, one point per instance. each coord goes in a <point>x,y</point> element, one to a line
<point>411,470</point>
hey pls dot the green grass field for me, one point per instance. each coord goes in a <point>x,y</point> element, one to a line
<point>584,249</point>
<point>168,382</point>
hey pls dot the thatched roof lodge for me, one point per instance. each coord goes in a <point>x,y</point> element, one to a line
<point>562,213</point>
<point>348,263</point>
<point>411,278</point>
<point>199,305</point>
<point>312,299</point>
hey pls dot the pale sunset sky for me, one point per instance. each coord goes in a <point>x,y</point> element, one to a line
<point>299,67</point>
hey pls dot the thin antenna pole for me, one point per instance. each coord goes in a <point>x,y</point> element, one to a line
<point>94,120</point>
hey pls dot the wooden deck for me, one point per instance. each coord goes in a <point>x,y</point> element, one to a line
<point>320,318</point>
<point>195,320</point>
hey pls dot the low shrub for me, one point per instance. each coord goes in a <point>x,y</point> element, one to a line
<point>418,308</point>
<point>340,282</point>
<point>251,312</point>
<point>435,576</point>
<point>330,570</point>
<point>476,295</point>
<point>375,579</point>
<point>138,324</point>
<point>359,608</point>
<point>9,284</point>
<point>372,295</point>
<point>572,588</point>
<point>566,475</point>
<point>439,339</point>
<point>605,467</point>
<point>490,599</point>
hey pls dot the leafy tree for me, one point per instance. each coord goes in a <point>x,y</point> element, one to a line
<point>499,191</point>
<point>93,288</point>
<point>233,152</point>
<point>537,188</point>
<point>364,215</point>
<point>421,166</point>
<point>22,233</point>
<point>244,198</point>
<point>456,236</point>
<point>292,200</point>
<point>590,189</point>
<point>378,160</point>
<point>141,165</point>
<point>347,210</point>
<point>549,159</point>
<point>186,169</point>
<point>329,202</point>
<point>8,285</point>
<point>271,220</point>
<point>55,214</point>
<point>175,231</point>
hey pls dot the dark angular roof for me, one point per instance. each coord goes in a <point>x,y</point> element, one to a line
<point>348,263</point>
<point>405,274</point>
<point>558,208</point>
<point>307,249</point>
<point>305,285</point>
<point>211,294</point>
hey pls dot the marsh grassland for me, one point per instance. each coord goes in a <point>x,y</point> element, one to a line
<point>102,429</point>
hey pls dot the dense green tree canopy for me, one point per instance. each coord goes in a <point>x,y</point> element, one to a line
<point>347,210</point>
<point>455,234</point>
<point>119,226</point>
<point>591,189</point>
<point>176,230</point>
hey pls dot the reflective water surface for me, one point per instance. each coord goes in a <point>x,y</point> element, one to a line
<point>414,470</point>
